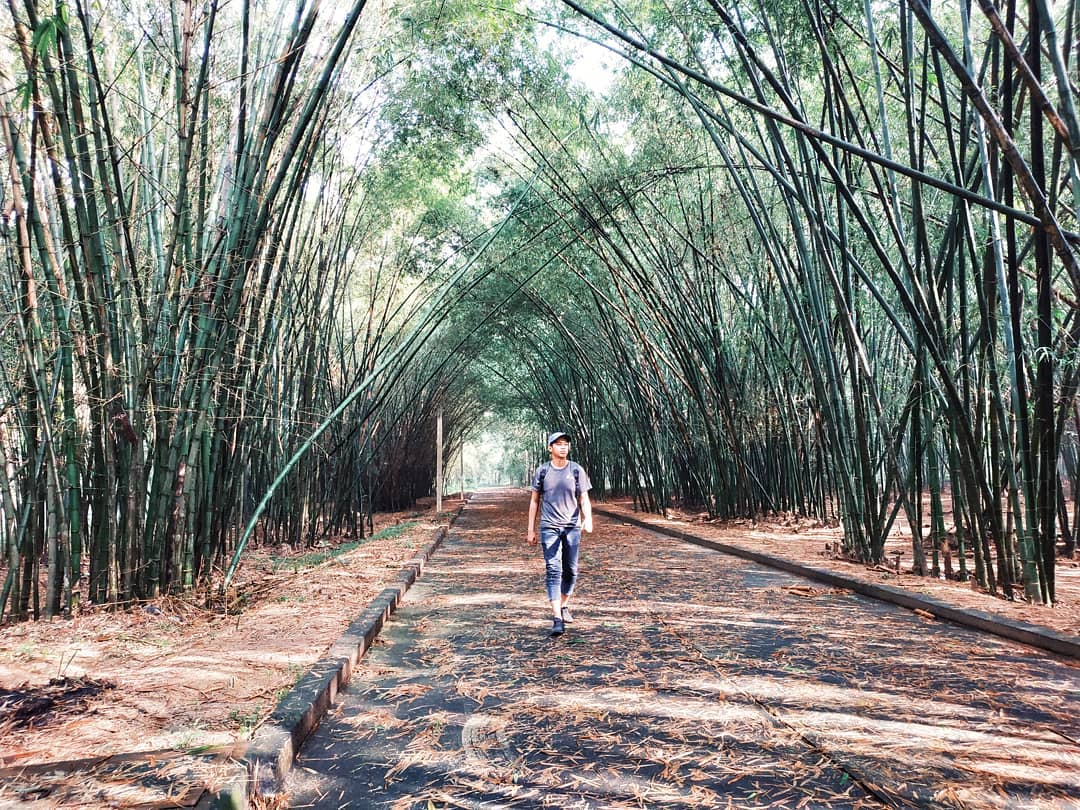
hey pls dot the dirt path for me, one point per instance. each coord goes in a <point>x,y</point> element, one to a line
<point>689,679</point>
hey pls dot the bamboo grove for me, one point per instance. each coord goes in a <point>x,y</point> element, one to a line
<point>187,207</point>
<point>825,263</point>
<point>809,256</point>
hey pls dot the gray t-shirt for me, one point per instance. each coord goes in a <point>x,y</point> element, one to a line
<point>559,507</point>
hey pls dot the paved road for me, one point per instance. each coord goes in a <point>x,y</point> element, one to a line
<point>689,680</point>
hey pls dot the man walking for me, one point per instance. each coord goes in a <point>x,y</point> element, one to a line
<point>560,488</point>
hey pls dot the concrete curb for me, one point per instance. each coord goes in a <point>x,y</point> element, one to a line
<point>270,754</point>
<point>1031,634</point>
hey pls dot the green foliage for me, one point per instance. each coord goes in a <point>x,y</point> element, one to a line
<point>48,30</point>
<point>245,722</point>
<point>732,312</point>
<point>319,557</point>
<point>454,69</point>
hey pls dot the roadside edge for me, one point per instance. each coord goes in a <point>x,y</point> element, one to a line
<point>1031,634</point>
<point>269,755</point>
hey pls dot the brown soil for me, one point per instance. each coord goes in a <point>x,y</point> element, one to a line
<point>809,542</point>
<point>170,676</point>
<point>689,680</point>
<point>174,676</point>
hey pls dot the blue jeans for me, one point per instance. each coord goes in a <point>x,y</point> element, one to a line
<point>561,559</point>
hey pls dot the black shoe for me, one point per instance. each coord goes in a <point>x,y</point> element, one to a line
<point>557,627</point>
<point>567,616</point>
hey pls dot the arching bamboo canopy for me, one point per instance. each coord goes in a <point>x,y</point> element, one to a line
<point>787,257</point>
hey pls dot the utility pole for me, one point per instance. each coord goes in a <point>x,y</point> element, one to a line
<point>463,470</point>
<point>438,464</point>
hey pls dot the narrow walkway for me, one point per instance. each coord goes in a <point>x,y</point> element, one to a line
<point>689,680</point>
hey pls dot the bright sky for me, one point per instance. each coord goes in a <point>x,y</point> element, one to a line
<point>593,66</point>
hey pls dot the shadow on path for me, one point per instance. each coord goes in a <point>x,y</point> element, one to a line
<point>144,779</point>
<point>689,680</point>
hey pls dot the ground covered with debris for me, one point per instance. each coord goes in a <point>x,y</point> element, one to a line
<point>688,679</point>
<point>157,698</point>
<point>131,695</point>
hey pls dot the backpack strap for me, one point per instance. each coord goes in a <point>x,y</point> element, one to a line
<point>543,474</point>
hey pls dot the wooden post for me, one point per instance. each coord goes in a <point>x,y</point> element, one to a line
<point>462,470</point>
<point>438,464</point>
